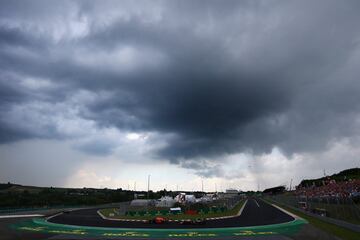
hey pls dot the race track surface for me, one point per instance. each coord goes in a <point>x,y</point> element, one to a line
<point>255,213</point>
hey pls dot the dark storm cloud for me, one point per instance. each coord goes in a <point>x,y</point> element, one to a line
<point>7,94</point>
<point>219,78</point>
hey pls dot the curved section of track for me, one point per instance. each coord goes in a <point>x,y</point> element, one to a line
<point>258,219</point>
<point>255,213</point>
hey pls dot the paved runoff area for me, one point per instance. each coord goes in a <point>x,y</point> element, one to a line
<point>258,220</point>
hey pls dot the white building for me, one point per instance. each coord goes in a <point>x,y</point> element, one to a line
<point>232,191</point>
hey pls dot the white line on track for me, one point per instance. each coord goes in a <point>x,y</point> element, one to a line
<point>256,203</point>
<point>48,218</point>
<point>287,212</point>
<point>21,216</point>
<point>242,208</point>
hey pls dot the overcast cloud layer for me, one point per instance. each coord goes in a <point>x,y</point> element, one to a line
<point>202,85</point>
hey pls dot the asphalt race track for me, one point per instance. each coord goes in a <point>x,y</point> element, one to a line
<point>258,220</point>
<point>255,213</point>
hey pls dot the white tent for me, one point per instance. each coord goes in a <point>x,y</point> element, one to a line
<point>190,198</point>
<point>165,202</point>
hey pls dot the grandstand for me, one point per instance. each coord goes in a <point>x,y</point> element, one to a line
<point>274,190</point>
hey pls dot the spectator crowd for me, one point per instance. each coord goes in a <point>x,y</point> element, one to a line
<point>331,189</point>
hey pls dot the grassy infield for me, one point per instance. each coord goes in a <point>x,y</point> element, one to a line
<point>340,232</point>
<point>231,212</point>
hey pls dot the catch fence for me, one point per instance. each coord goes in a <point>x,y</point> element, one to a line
<point>345,209</point>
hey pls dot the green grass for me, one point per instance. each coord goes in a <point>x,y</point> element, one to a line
<point>341,211</point>
<point>333,229</point>
<point>231,212</point>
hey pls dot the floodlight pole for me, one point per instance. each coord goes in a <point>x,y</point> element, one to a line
<point>148,185</point>
<point>202,186</point>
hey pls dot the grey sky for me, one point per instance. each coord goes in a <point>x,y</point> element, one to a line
<point>198,82</point>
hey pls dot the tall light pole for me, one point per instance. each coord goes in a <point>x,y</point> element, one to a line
<point>148,185</point>
<point>202,185</point>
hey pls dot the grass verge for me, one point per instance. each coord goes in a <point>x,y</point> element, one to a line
<point>111,213</point>
<point>333,229</point>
